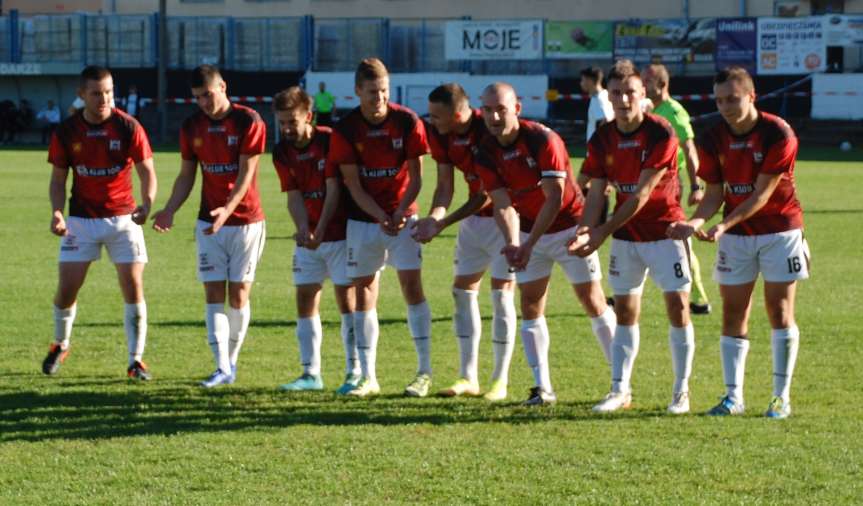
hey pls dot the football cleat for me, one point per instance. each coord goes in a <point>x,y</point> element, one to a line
<point>497,392</point>
<point>306,382</point>
<point>419,387</point>
<point>139,371</point>
<point>366,388</point>
<point>56,356</point>
<point>219,377</point>
<point>778,409</point>
<point>726,407</point>
<point>614,401</point>
<point>539,397</point>
<point>696,308</point>
<point>351,382</point>
<point>462,387</point>
<point>679,403</point>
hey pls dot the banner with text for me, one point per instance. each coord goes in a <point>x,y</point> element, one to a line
<point>791,45</point>
<point>666,40</point>
<point>844,30</point>
<point>579,39</point>
<point>736,43</point>
<point>494,40</point>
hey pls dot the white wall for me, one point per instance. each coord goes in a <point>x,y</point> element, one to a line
<point>412,90</point>
<point>837,96</point>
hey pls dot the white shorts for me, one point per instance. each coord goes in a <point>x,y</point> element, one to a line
<point>369,249</point>
<point>780,257</point>
<point>551,249</point>
<point>667,262</point>
<point>312,267</point>
<point>122,237</point>
<point>477,246</point>
<point>231,254</point>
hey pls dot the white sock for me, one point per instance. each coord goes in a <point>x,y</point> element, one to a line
<point>419,323</point>
<point>366,331</point>
<point>734,352</point>
<point>603,328</point>
<point>352,362</point>
<point>218,330</point>
<point>310,335</point>
<point>63,320</point>
<point>534,335</point>
<point>503,332</point>
<point>135,324</point>
<point>785,343</point>
<point>624,349</point>
<point>681,340</point>
<point>238,320</point>
<point>468,330</point>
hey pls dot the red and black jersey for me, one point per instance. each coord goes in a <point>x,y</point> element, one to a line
<point>459,150</point>
<point>306,170</point>
<point>217,146</point>
<point>537,153</point>
<point>736,161</point>
<point>620,158</point>
<point>101,158</point>
<point>381,153</point>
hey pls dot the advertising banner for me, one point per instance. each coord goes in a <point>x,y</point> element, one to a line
<point>494,40</point>
<point>579,39</point>
<point>791,45</point>
<point>666,40</point>
<point>736,43</point>
<point>844,30</point>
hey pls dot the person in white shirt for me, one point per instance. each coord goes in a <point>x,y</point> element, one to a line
<point>599,111</point>
<point>50,114</point>
<point>131,102</point>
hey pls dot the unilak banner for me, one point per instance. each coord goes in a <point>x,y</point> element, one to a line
<point>579,39</point>
<point>736,41</point>
<point>791,45</point>
<point>494,40</point>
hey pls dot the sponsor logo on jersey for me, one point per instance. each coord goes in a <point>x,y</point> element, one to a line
<point>382,172</point>
<point>216,129</point>
<point>305,156</point>
<point>398,143</point>
<point>233,140</point>
<point>626,188</point>
<point>461,141</point>
<point>83,170</point>
<point>114,145</point>
<point>634,143</point>
<point>740,145</point>
<point>313,195</point>
<point>740,189</point>
<point>511,155</point>
<point>219,168</point>
<point>97,133</point>
<point>378,133</point>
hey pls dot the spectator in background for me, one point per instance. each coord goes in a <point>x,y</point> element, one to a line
<point>78,104</point>
<point>8,111</point>
<point>325,105</point>
<point>132,102</point>
<point>50,115</point>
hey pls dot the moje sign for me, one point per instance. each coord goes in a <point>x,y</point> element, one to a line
<point>494,40</point>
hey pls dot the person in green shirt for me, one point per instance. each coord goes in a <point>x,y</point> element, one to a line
<point>656,80</point>
<point>325,104</point>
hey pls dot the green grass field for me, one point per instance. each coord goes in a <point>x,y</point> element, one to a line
<point>87,436</point>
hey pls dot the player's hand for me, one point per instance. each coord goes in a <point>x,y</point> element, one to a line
<point>220,216</point>
<point>595,237</point>
<point>312,242</point>
<point>58,224</point>
<point>695,197</point>
<point>302,237</point>
<point>163,220</point>
<point>139,215</point>
<point>426,229</point>
<point>510,252</point>
<point>714,233</point>
<point>582,235</point>
<point>393,224</point>
<point>680,230</point>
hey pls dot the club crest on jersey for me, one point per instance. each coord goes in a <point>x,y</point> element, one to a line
<point>321,164</point>
<point>530,162</point>
<point>233,140</point>
<point>114,145</point>
<point>398,143</point>
<point>758,156</point>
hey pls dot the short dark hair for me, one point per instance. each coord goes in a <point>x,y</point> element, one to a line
<point>735,73</point>
<point>450,94</point>
<point>204,75</point>
<point>593,72</point>
<point>93,73</point>
<point>292,98</point>
<point>370,69</point>
<point>623,69</point>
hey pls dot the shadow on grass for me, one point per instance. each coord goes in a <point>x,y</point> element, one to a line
<point>177,407</point>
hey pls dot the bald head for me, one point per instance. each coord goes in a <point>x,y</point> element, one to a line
<point>500,110</point>
<point>502,91</point>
